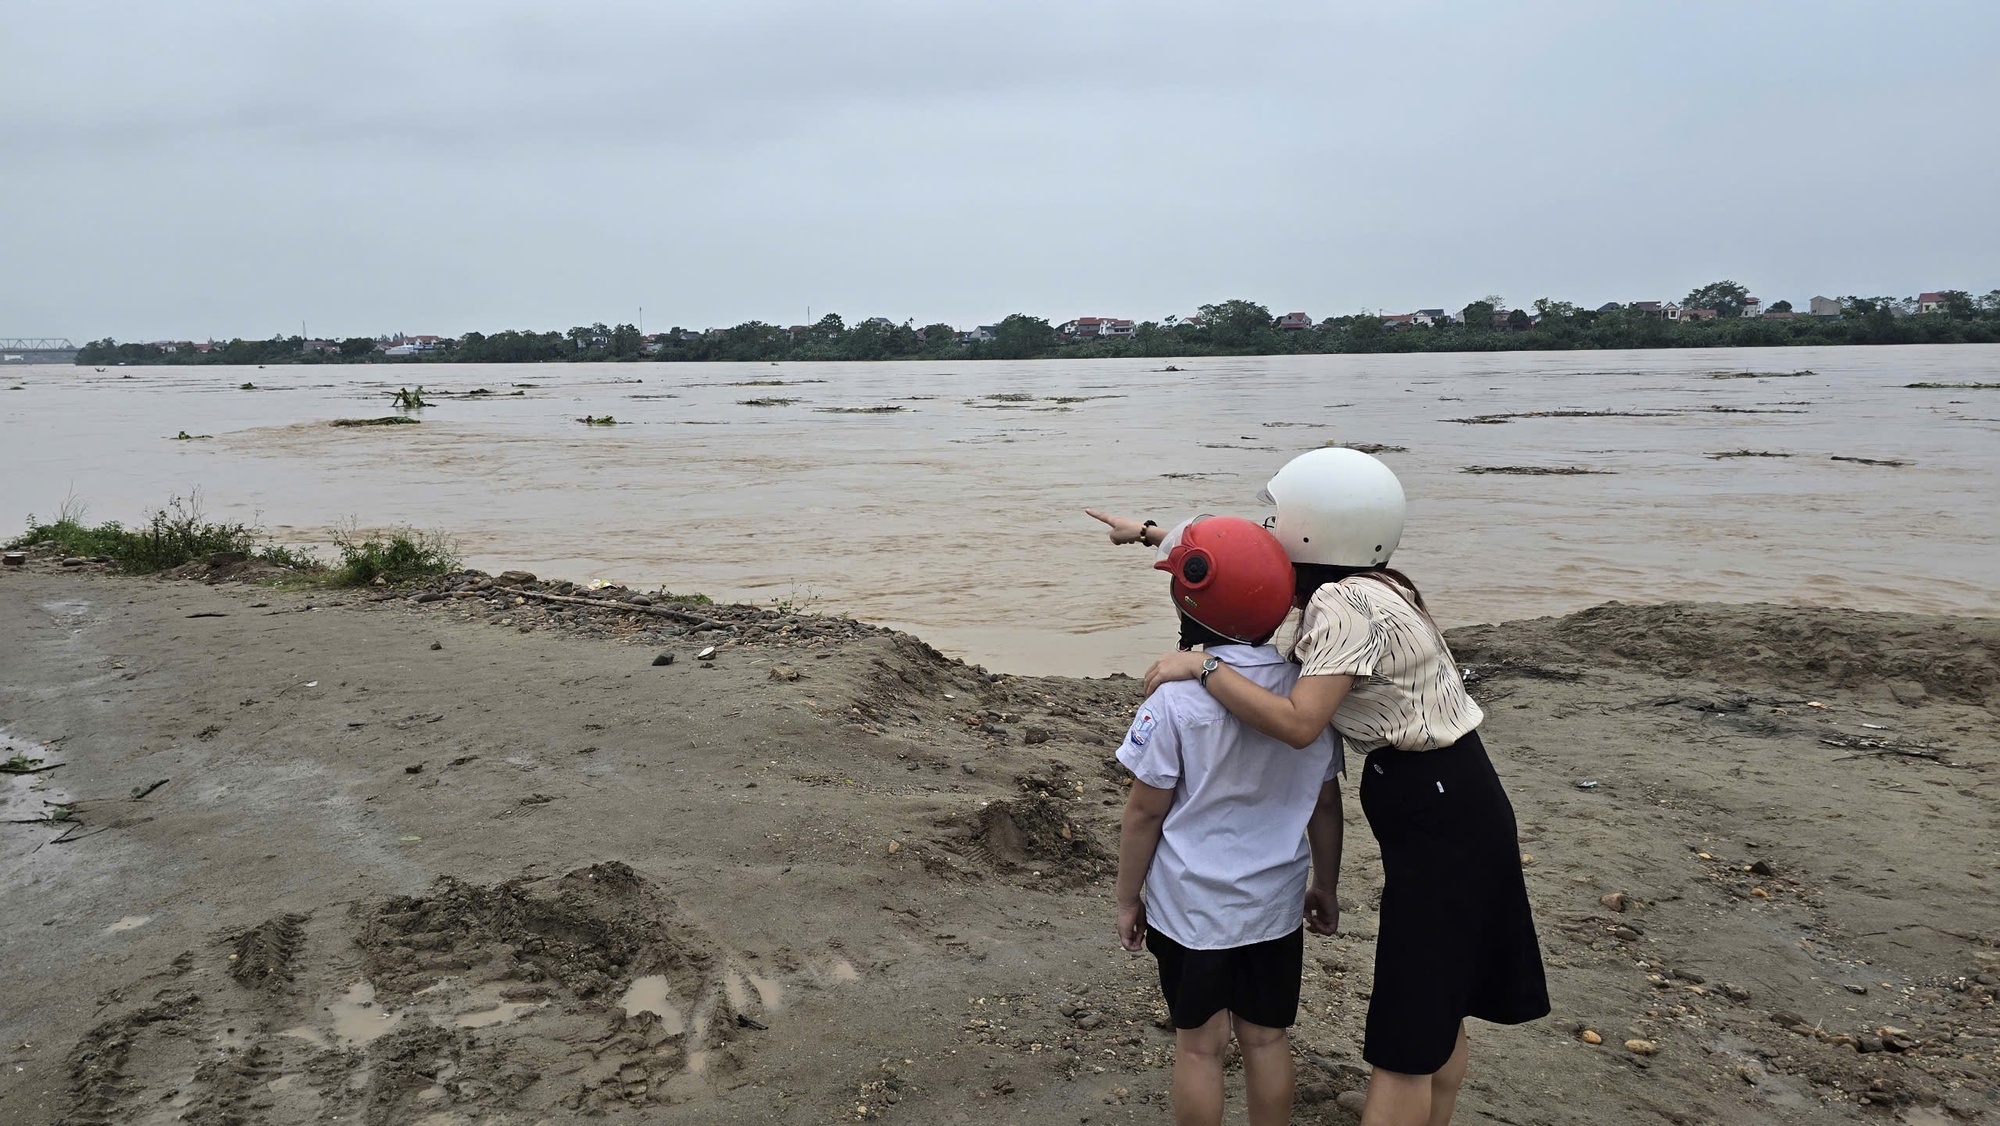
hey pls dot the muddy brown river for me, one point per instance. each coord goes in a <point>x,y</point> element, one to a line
<point>946,498</point>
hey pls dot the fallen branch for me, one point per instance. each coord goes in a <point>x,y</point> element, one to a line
<point>138,795</point>
<point>695,620</point>
<point>1927,756</point>
<point>1871,749</point>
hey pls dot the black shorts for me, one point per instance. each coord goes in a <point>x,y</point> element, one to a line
<point>1258,982</point>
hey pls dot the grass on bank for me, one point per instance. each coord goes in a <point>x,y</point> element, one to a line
<point>181,533</point>
<point>400,555</point>
<point>176,534</point>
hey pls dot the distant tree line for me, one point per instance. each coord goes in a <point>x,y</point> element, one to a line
<point>1235,327</point>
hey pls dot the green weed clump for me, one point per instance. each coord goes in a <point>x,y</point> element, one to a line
<point>179,533</point>
<point>399,556</point>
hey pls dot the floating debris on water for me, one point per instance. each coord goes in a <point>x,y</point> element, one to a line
<point>1538,470</point>
<point>389,420</point>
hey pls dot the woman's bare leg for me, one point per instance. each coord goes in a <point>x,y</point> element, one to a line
<point>1397,1099</point>
<point>1198,1056</point>
<point>1444,1084</point>
<point>1268,1072</point>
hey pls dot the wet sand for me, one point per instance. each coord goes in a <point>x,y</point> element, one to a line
<point>482,860</point>
<point>958,516</point>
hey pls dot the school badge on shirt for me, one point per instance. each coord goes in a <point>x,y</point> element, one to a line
<point>1142,729</point>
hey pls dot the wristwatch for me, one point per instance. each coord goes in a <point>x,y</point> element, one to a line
<point>1208,666</point>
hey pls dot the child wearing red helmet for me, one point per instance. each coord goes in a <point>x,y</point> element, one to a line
<point>1223,828</point>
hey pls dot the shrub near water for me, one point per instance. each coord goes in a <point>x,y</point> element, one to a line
<point>401,556</point>
<point>179,533</point>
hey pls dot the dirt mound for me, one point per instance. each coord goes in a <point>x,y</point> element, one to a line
<point>907,672</point>
<point>264,953</point>
<point>1786,647</point>
<point>602,926</point>
<point>1040,835</point>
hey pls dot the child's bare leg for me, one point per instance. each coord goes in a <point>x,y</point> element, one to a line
<point>1198,1056</point>
<point>1268,1072</point>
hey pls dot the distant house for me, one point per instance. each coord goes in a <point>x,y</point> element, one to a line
<point>1753,307</point>
<point>1398,320</point>
<point>1113,326</point>
<point>1429,317</point>
<point>1609,307</point>
<point>1824,307</point>
<point>400,345</point>
<point>1649,308</point>
<point>980,334</point>
<point>1295,322</point>
<point>1083,326</point>
<point>1698,314</point>
<point>1930,302</point>
<point>319,346</point>
<point>652,344</point>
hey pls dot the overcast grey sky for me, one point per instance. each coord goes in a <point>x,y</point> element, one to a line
<point>205,168</point>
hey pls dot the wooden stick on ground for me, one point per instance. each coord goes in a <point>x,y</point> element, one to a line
<point>694,620</point>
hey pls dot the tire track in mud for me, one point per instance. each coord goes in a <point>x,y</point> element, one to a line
<point>582,993</point>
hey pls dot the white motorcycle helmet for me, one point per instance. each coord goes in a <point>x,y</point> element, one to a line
<point>1337,507</point>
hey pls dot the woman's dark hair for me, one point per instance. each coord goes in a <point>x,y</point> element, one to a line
<point>1312,576</point>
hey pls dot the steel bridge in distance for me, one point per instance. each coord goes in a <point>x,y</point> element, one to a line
<point>36,350</point>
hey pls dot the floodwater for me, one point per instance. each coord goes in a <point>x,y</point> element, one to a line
<point>958,515</point>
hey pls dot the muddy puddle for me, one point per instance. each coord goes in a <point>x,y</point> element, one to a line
<point>1637,476</point>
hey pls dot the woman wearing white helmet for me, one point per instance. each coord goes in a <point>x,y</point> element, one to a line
<point>1456,937</point>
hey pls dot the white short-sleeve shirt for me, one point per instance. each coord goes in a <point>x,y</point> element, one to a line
<point>1232,863</point>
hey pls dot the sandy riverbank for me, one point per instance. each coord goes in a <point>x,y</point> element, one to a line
<point>472,860</point>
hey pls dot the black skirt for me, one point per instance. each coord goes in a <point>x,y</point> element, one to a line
<point>1456,939</point>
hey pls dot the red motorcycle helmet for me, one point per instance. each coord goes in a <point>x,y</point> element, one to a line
<point>1231,576</point>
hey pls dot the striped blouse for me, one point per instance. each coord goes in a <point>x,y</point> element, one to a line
<point>1407,692</point>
